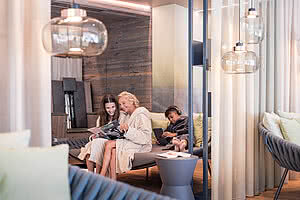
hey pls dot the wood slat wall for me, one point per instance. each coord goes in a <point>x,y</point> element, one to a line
<point>126,64</point>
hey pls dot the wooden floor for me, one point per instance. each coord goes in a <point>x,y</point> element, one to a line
<point>137,178</point>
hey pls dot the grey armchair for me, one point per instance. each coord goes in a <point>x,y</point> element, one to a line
<point>285,153</point>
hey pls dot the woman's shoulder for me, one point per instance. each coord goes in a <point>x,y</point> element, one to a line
<point>142,111</point>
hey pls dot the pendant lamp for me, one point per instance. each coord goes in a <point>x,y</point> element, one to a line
<point>74,34</point>
<point>253,26</point>
<point>239,61</point>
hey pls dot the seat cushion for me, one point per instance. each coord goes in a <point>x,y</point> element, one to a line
<point>142,160</point>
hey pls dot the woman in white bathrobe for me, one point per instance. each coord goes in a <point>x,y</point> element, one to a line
<point>136,125</point>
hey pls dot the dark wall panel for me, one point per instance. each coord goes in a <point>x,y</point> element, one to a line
<point>125,65</point>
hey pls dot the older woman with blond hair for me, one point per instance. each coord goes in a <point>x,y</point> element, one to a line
<point>136,125</point>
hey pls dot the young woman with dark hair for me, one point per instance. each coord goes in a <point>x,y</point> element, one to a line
<point>109,111</point>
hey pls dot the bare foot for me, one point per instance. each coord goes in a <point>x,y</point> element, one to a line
<point>176,143</point>
<point>182,146</point>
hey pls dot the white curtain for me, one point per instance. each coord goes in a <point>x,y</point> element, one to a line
<point>66,68</point>
<point>241,165</point>
<point>25,69</point>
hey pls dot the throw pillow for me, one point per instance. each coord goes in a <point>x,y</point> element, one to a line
<point>271,122</point>
<point>34,173</point>
<point>290,128</point>
<point>198,129</point>
<point>17,139</point>
<point>288,115</point>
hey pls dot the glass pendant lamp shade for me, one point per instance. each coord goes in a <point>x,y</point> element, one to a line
<point>253,26</point>
<point>74,35</point>
<point>239,61</point>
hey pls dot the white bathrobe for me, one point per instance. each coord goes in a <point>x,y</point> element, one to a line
<point>137,138</point>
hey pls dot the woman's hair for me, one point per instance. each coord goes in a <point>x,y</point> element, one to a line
<point>132,98</point>
<point>172,109</point>
<point>104,116</point>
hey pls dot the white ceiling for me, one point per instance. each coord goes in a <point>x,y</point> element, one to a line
<point>198,4</point>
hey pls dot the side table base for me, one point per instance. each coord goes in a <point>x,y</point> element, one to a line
<point>178,192</point>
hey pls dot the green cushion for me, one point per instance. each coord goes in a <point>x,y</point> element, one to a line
<point>290,129</point>
<point>289,115</point>
<point>34,173</point>
<point>198,129</point>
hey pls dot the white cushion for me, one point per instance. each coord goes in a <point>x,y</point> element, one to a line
<point>271,122</point>
<point>288,115</point>
<point>34,173</point>
<point>17,139</point>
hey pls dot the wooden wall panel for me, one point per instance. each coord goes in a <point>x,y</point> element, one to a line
<point>59,127</point>
<point>126,64</point>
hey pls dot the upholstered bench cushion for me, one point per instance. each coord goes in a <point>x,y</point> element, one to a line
<point>141,160</point>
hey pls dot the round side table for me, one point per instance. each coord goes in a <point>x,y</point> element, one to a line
<point>176,175</point>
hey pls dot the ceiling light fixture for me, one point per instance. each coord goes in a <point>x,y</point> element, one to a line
<point>239,61</point>
<point>74,34</point>
<point>253,26</point>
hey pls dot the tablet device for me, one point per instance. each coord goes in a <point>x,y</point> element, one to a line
<point>158,134</point>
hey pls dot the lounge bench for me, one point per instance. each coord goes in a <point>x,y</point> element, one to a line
<point>141,160</point>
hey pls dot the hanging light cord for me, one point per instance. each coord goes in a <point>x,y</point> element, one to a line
<point>239,20</point>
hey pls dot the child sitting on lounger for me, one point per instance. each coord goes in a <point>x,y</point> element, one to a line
<point>177,131</point>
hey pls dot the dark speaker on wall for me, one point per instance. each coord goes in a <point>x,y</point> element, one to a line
<point>198,52</point>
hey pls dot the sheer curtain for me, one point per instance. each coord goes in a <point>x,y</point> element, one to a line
<point>241,165</point>
<point>66,67</point>
<point>25,70</point>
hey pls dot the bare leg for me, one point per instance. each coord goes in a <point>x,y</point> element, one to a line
<point>109,145</point>
<point>89,164</point>
<point>113,174</point>
<point>98,168</point>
